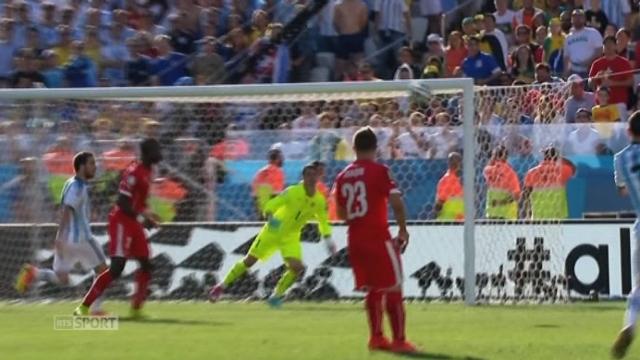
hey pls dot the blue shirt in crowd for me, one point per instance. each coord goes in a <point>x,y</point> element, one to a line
<point>81,72</point>
<point>138,71</point>
<point>170,68</point>
<point>480,67</point>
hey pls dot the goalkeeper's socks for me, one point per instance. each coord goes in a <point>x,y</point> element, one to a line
<point>236,272</point>
<point>285,282</point>
<point>373,303</point>
<point>633,306</point>
<point>142,284</point>
<point>395,310</point>
<point>102,282</point>
<point>47,275</point>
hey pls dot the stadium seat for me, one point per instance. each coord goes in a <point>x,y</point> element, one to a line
<point>320,74</point>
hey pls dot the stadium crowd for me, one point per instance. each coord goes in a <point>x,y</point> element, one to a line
<point>552,62</point>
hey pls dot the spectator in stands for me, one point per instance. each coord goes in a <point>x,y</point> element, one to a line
<point>32,202</point>
<point>408,139</point>
<point>543,74</point>
<point>324,144</point>
<point>383,134</point>
<point>468,28</point>
<point>579,98</point>
<point>445,139</point>
<point>553,45</point>
<point>434,49</point>
<point>606,111</point>
<point>51,70</point>
<point>351,19</point>
<point>482,67</point>
<point>554,9</point>
<point>327,35</point>
<point>623,46</point>
<point>584,140</point>
<point>544,195</point>
<point>114,55</point>
<point>596,18</point>
<point>449,202</point>
<point>612,71</point>
<point>208,66</point>
<point>33,41</point>
<point>93,45</point>
<point>527,14</point>
<point>455,53</point>
<point>170,65</point>
<point>138,67</point>
<point>47,25</point>
<point>490,29</point>
<point>405,56</point>
<point>147,23</point>
<point>523,67</point>
<point>583,45</point>
<point>505,19</point>
<point>392,25</point>
<point>26,74</point>
<point>21,24</point>
<point>307,119</point>
<point>183,39</point>
<point>523,37</point>
<point>541,35</point>
<point>269,180</point>
<point>81,70</point>
<point>432,10</point>
<point>63,48</point>
<point>7,49</point>
<point>366,73</point>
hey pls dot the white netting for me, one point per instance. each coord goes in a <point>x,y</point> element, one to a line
<point>214,146</point>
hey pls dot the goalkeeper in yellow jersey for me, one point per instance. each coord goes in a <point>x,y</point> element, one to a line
<point>286,214</point>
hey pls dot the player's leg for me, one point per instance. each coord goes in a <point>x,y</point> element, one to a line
<point>119,243</point>
<point>262,248</point>
<point>90,255</point>
<point>142,279</point>
<point>96,307</point>
<point>59,275</point>
<point>626,335</point>
<point>295,269</point>
<point>373,301</point>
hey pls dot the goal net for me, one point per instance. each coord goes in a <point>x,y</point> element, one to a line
<point>215,139</point>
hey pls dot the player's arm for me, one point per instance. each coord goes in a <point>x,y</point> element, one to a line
<point>146,218</point>
<point>341,209</point>
<point>273,205</point>
<point>617,176</point>
<point>397,205</point>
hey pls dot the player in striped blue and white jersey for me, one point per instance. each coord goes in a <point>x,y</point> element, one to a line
<point>74,241</point>
<point>626,165</point>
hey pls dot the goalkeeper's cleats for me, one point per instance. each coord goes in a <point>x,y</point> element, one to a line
<point>138,315</point>
<point>621,345</point>
<point>25,279</point>
<point>275,302</point>
<point>82,310</point>
<point>379,343</point>
<point>403,347</point>
<point>215,293</point>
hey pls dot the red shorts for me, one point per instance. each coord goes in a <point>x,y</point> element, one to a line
<point>127,237</point>
<point>376,265</point>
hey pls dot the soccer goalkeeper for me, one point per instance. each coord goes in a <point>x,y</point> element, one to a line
<point>286,215</point>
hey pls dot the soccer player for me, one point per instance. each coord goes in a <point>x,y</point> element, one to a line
<point>127,238</point>
<point>626,165</point>
<point>362,191</point>
<point>74,241</point>
<point>269,180</point>
<point>286,214</point>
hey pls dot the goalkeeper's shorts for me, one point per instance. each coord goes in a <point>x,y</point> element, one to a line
<point>268,242</point>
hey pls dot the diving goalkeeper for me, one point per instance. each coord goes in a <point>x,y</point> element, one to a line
<point>286,214</point>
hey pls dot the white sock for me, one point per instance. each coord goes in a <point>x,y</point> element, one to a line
<point>47,275</point>
<point>633,306</point>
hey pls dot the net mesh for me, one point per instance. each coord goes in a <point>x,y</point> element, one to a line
<point>213,147</point>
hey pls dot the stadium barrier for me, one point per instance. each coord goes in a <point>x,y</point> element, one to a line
<point>188,258</point>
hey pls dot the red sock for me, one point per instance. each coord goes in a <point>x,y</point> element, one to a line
<point>373,303</point>
<point>99,285</point>
<point>395,310</point>
<point>142,283</point>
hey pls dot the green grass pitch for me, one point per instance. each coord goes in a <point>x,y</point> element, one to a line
<point>324,331</point>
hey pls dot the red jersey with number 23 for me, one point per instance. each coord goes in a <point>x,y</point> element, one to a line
<point>363,189</point>
<point>135,183</point>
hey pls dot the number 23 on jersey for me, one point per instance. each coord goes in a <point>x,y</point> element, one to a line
<point>356,197</point>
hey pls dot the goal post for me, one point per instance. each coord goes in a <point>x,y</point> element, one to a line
<point>413,95</point>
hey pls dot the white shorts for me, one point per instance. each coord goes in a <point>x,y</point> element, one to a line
<point>88,253</point>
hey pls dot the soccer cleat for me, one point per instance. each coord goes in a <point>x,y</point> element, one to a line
<point>275,302</point>
<point>379,343</point>
<point>621,345</point>
<point>138,314</point>
<point>403,347</point>
<point>82,310</point>
<point>215,293</point>
<point>25,278</point>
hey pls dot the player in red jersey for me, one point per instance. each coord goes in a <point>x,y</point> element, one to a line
<point>363,189</point>
<point>127,238</point>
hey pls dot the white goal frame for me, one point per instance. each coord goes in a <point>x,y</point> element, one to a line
<point>202,93</point>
